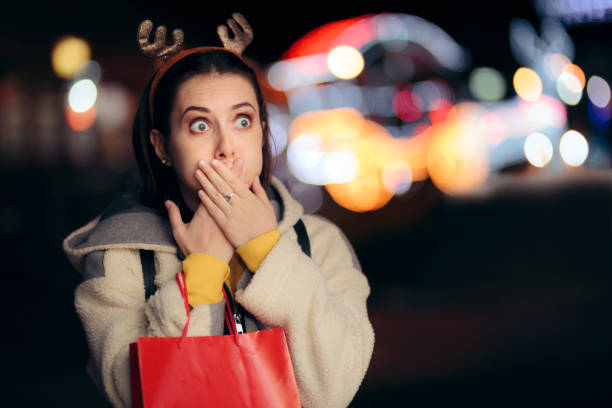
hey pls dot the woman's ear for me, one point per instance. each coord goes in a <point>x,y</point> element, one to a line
<point>159,144</point>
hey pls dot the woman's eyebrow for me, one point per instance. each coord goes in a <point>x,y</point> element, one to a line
<point>241,104</point>
<point>195,108</point>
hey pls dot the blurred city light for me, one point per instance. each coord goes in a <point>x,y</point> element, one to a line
<point>487,84</point>
<point>89,70</point>
<point>538,149</point>
<point>68,56</point>
<point>598,91</point>
<point>569,88</point>
<point>554,64</point>
<point>397,177</point>
<point>457,155</point>
<point>527,84</point>
<point>576,12</point>
<point>80,121</point>
<point>345,62</point>
<point>573,148</point>
<point>82,95</point>
<point>407,105</point>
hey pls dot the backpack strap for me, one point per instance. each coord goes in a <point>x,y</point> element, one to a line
<point>148,272</point>
<point>148,262</point>
<point>302,236</point>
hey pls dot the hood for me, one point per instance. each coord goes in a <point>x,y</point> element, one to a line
<point>125,223</point>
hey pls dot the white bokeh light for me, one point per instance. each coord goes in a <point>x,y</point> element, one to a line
<point>345,62</point>
<point>538,149</point>
<point>82,95</point>
<point>598,91</point>
<point>573,148</point>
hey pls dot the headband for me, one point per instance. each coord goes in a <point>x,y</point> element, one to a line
<point>171,54</point>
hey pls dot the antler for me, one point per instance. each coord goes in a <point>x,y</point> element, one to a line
<point>243,35</point>
<point>158,48</point>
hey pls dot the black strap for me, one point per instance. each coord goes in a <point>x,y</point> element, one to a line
<point>148,262</point>
<point>148,272</point>
<point>302,236</point>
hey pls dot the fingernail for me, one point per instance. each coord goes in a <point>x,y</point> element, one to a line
<point>215,162</point>
<point>199,173</point>
<point>202,163</point>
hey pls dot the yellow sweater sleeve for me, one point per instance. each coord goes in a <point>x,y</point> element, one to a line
<point>255,251</point>
<point>204,277</point>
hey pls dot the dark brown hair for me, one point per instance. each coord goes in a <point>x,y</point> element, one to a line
<point>159,182</point>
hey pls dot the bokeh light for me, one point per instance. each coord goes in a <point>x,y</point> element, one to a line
<point>554,64</point>
<point>80,121</point>
<point>598,91</point>
<point>68,56</point>
<point>397,177</point>
<point>577,72</point>
<point>573,148</point>
<point>569,89</point>
<point>538,149</point>
<point>457,156</point>
<point>407,106</point>
<point>82,95</point>
<point>487,84</point>
<point>527,84</point>
<point>345,62</point>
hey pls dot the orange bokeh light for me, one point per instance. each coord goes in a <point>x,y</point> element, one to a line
<point>80,121</point>
<point>457,157</point>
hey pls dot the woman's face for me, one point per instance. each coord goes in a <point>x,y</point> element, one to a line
<point>215,116</point>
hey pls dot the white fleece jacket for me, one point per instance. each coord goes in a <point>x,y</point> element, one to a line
<point>320,301</point>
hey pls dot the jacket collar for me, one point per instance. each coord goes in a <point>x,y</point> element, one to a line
<point>125,223</point>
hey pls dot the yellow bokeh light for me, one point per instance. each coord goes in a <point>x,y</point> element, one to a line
<point>527,84</point>
<point>69,55</point>
<point>345,62</point>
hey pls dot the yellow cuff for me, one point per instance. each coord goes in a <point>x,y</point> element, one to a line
<point>255,251</point>
<point>204,277</point>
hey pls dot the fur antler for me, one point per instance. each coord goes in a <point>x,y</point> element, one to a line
<point>243,35</point>
<point>158,48</point>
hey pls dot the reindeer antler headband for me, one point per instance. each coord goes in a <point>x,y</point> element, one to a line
<point>171,54</point>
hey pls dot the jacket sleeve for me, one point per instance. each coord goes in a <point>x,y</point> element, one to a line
<point>111,305</point>
<point>320,301</point>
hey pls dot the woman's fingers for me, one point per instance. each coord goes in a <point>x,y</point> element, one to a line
<point>222,177</point>
<point>174,215</point>
<point>211,191</point>
<point>260,192</point>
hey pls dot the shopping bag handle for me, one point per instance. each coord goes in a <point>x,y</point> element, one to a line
<point>229,316</point>
<point>180,280</point>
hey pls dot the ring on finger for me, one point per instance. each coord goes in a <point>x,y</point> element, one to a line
<point>228,197</point>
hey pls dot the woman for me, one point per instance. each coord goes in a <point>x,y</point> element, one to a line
<point>208,206</point>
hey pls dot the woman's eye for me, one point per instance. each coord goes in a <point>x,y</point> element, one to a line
<point>199,126</point>
<point>243,122</point>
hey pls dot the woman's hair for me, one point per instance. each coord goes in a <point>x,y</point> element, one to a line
<point>159,182</point>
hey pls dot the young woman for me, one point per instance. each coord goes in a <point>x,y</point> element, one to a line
<point>208,206</point>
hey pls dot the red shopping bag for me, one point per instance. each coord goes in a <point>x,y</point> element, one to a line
<point>236,370</point>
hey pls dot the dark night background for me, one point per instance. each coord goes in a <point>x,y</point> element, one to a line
<point>501,300</point>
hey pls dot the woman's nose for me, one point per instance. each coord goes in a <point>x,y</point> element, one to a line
<point>225,145</point>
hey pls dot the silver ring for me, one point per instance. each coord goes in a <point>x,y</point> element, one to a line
<point>228,197</point>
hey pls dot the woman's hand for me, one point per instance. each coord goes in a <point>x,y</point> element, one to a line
<point>200,235</point>
<point>247,214</point>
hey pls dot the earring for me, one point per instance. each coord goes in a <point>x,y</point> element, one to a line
<point>165,162</point>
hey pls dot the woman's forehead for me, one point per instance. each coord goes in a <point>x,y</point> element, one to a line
<point>215,91</point>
